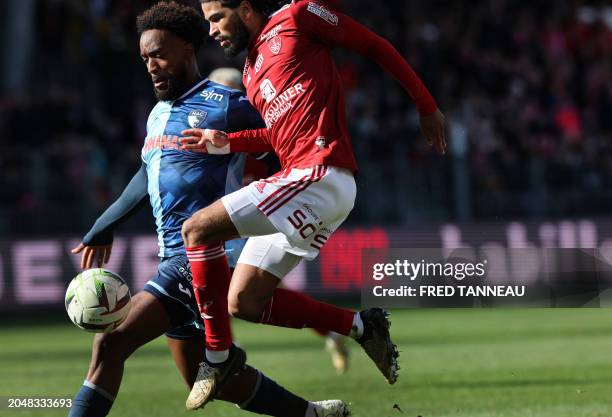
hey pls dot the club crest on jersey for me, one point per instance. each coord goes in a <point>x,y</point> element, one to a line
<point>196,118</point>
<point>268,92</point>
<point>323,13</point>
<point>275,44</point>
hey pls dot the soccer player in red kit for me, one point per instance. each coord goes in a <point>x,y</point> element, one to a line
<point>292,80</point>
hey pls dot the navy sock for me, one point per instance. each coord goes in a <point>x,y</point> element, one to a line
<point>91,401</point>
<point>271,399</point>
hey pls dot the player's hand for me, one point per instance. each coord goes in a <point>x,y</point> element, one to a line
<point>98,255</point>
<point>195,140</point>
<point>432,127</point>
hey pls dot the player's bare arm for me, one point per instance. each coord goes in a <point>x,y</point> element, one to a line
<point>218,142</point>
<point>97,244</point>
<point>352,35</point>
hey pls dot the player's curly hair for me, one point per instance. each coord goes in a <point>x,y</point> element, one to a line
<point>264,6</point>
<point>182,21</point>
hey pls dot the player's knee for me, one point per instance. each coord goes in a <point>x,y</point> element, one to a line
<point>187,231</point>
<point>233,306</point>
<point>242,306</point>
<point>194,231</point>
<point>110,347</point>
<point>190,232</point>
<point>244,312</point>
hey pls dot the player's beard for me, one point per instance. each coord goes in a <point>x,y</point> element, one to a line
<point>239,40</point>
<point>176,87</point>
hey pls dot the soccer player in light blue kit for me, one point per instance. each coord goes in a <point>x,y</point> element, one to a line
<point>177,184</point>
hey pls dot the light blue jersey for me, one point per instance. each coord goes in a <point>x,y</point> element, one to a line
<point>180,182</point>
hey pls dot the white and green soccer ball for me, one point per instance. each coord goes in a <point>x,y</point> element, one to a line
<point>97,300</point>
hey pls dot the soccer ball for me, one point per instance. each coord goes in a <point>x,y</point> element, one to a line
<point>97,300</point>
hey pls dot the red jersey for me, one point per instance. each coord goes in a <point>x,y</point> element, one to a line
<point>292,80</point>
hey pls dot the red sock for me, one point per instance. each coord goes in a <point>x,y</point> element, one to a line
<point>289,308</point>
<point>211,278</point>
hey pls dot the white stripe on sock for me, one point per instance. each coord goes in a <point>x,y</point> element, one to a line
<point>99,390</point>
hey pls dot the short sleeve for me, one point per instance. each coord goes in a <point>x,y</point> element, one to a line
<point>242,115</point>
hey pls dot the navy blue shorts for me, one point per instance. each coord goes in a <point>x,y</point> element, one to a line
<point>172,286</point>
<point>233,248</point>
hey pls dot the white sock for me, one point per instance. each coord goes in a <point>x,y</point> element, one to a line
<point>217,356</point>
<point>357,327</point>
<point>310,410</point>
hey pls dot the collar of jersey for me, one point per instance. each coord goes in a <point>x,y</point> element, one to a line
<point>191,90</point>
<point>283,7</point>
<point>256,37</point>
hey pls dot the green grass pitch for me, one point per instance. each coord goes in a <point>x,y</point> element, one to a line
<point>464,363</point>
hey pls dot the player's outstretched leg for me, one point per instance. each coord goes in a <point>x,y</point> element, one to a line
<point>370,328</point>
<point>253,296</point>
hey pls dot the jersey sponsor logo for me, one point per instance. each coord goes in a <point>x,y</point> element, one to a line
<point>268,92</point>
<point>258,63</point>
<point>211,95</point>
<point>196,118</point>
<point>161,142</point>
<point>272,33</point>
<point>323,13</point>
<point>306,228</point>
<point>275,44</point>
<point>282,104</point>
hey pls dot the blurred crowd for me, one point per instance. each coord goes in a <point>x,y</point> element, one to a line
<point>526,87</point>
